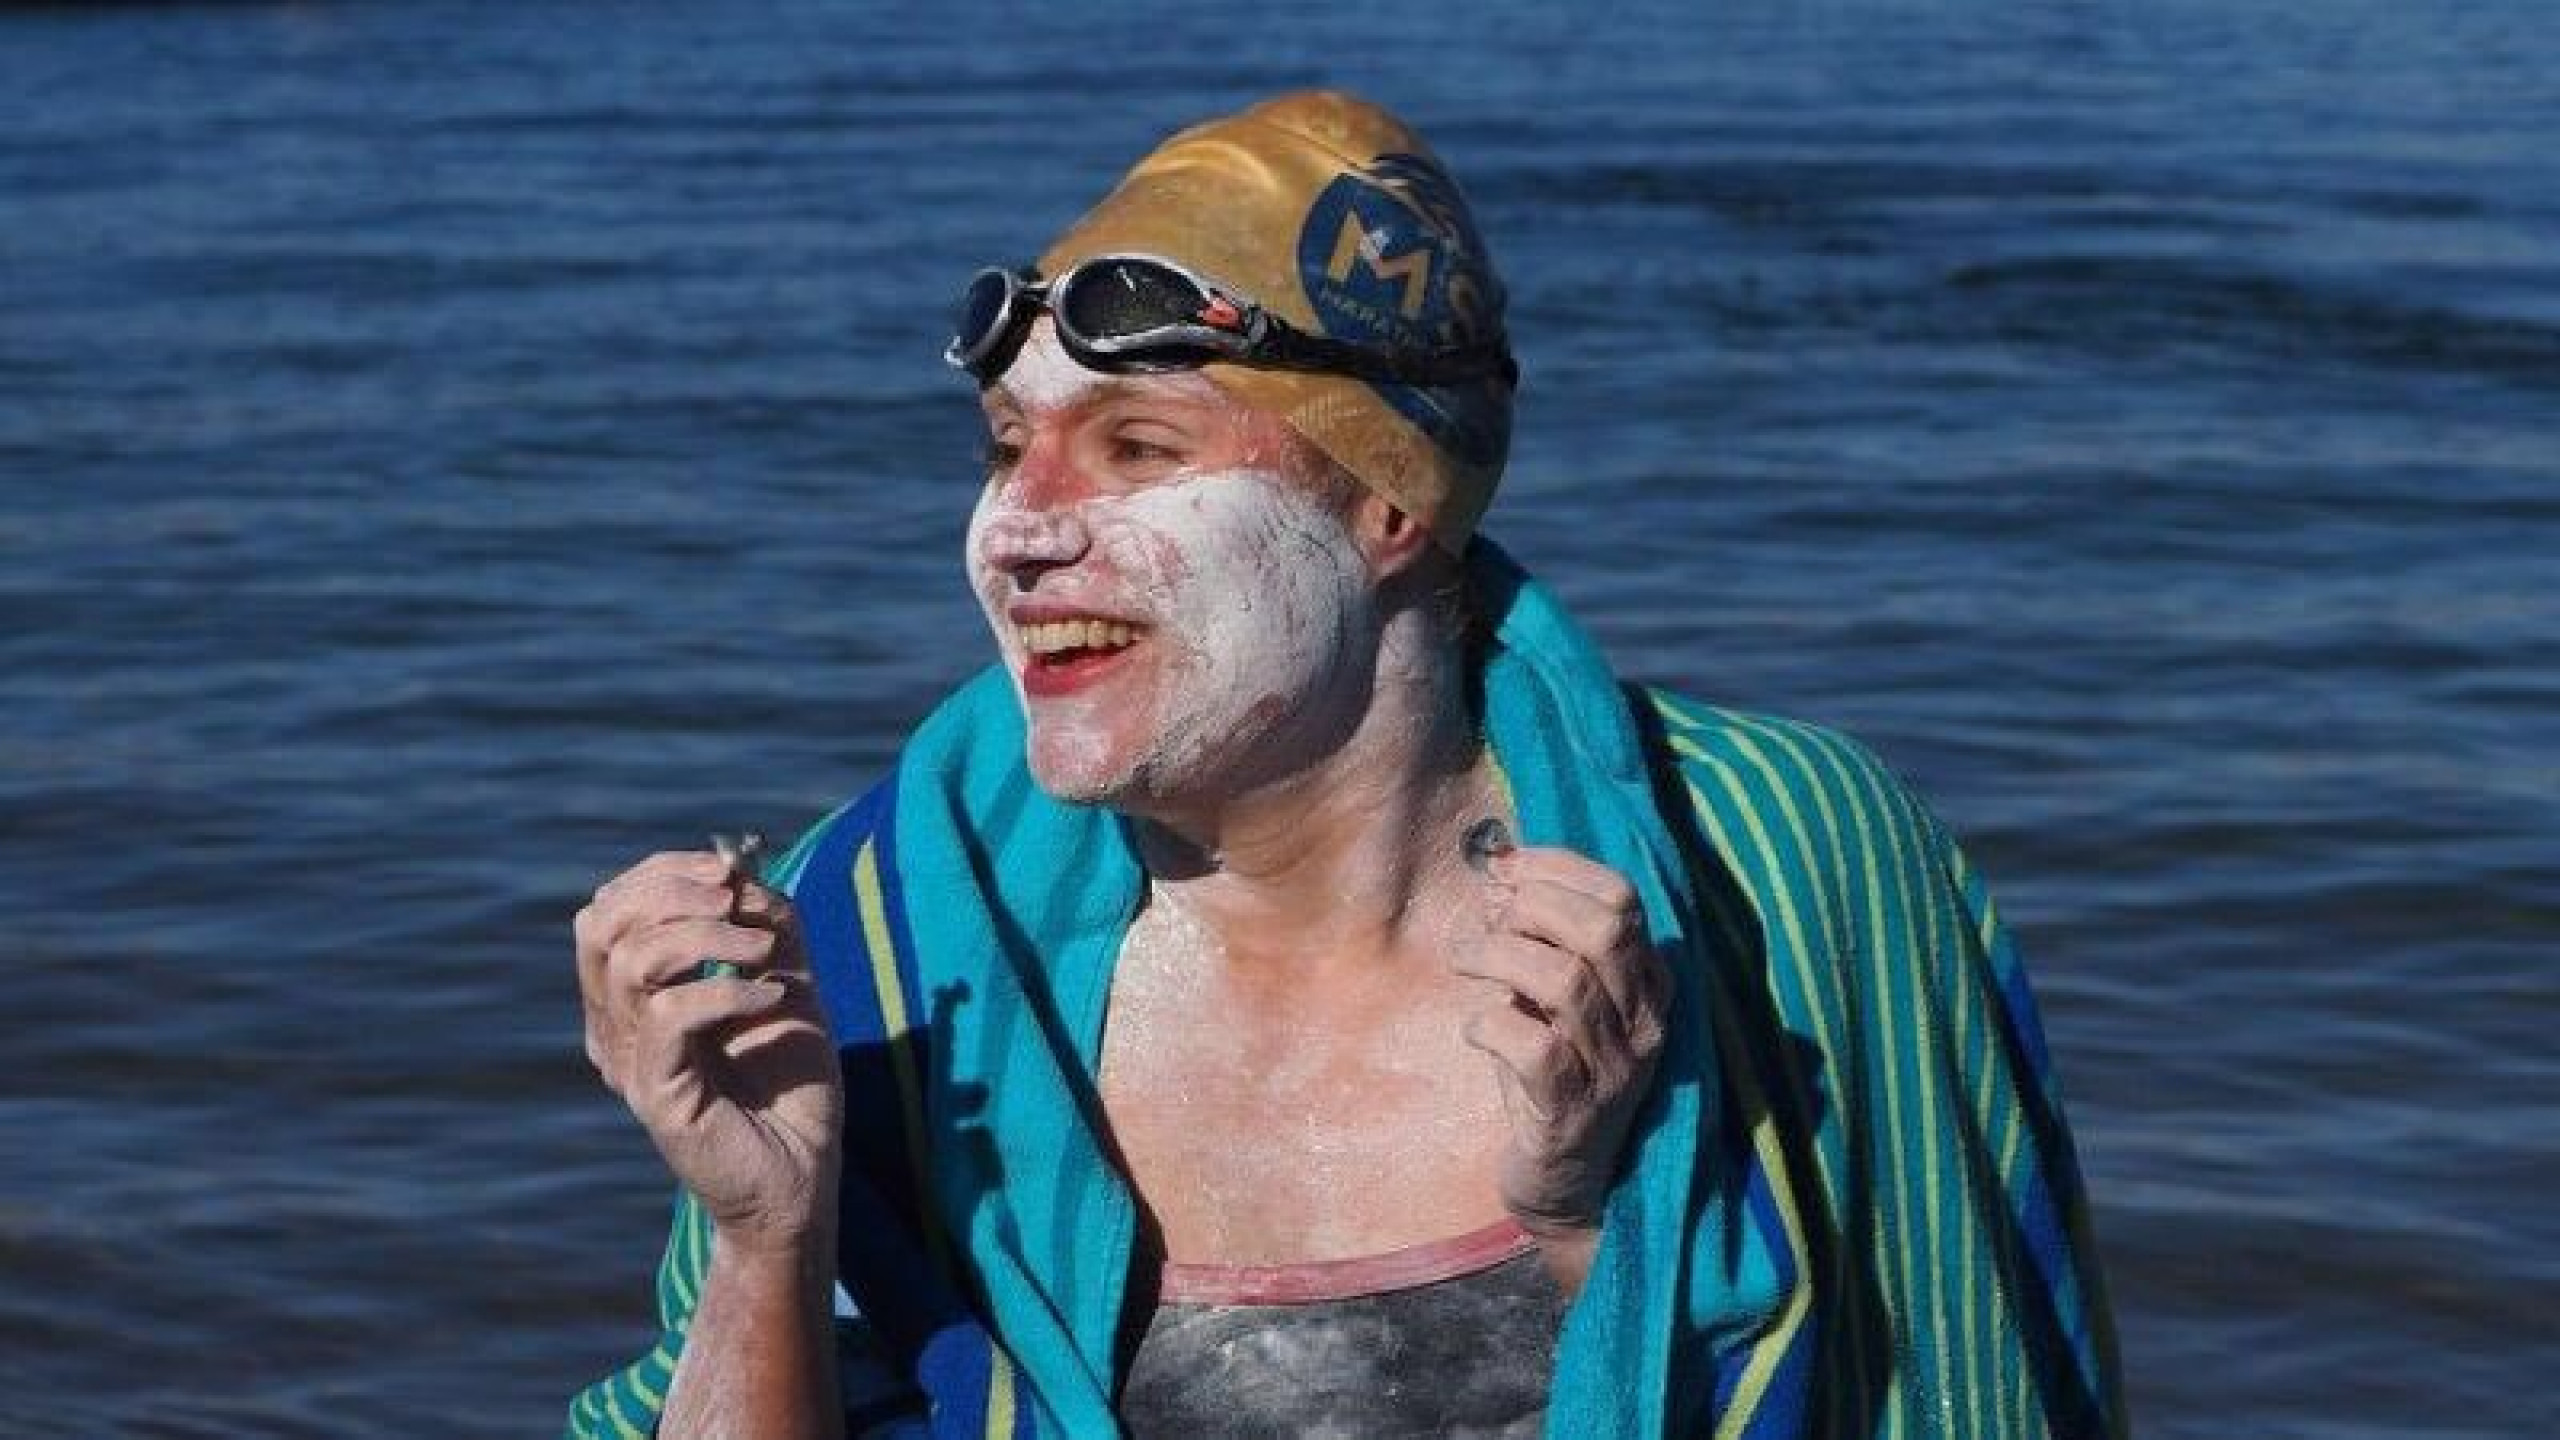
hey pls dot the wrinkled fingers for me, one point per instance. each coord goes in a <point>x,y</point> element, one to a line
<point>666,1058</point>
<point>1564,986</point>
<point>672,953</point>
<point>671,885</point>
<point>1607,941</point>
<point>1554,1077</point>
<point>666,956</point>
<point>1573,871</point>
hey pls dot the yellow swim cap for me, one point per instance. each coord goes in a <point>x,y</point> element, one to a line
<point>1336,217</point>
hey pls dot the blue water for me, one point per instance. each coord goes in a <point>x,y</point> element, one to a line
<point>449,450</point>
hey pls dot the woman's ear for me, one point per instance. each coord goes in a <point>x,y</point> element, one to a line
<point>1391,539</point>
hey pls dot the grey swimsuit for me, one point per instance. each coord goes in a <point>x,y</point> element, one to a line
<point>1452,1338</point>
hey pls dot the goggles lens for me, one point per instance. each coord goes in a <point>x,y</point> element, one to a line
<point>980,320</point>
<point>1125,299</point>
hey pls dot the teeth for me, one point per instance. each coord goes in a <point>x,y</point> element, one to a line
<point>1054,636</point>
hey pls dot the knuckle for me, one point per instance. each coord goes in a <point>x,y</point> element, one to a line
<point>627,965</point>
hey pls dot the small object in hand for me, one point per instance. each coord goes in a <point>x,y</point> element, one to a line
<point>743,856</point>
<point>1485,839</point>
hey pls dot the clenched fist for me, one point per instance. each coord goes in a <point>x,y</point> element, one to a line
<point>1574,1037</point>
<point>733,1075</point>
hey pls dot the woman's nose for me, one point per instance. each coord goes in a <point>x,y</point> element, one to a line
<point>1018,540</point>
<point>1035,520</point>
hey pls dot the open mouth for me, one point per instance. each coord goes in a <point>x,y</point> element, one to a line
<point>1064,655</point>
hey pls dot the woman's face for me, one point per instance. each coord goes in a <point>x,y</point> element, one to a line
<point>1170,579</point>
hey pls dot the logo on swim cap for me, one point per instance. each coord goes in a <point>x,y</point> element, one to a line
<point>1389,257</point>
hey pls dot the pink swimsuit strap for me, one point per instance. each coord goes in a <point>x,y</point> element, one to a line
<point>1319,1280</point>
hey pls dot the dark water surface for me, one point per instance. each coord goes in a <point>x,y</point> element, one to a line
<point>448,450</point>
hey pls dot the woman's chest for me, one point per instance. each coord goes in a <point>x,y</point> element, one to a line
<point>1257,1131</point>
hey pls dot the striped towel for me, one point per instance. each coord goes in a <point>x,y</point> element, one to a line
<point>1850,1206</point>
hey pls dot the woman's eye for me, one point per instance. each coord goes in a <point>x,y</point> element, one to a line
<point>1139,450</point>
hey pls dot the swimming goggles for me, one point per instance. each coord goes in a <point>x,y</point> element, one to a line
<point>1122,313</point>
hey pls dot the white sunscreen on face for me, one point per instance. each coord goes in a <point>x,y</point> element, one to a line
<point>1250,597</point>
<point>1267,600</point>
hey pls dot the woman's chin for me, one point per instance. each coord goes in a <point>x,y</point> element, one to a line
<point>1078,766</point>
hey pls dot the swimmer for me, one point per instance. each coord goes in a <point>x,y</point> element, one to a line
<point>1298,987</point>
